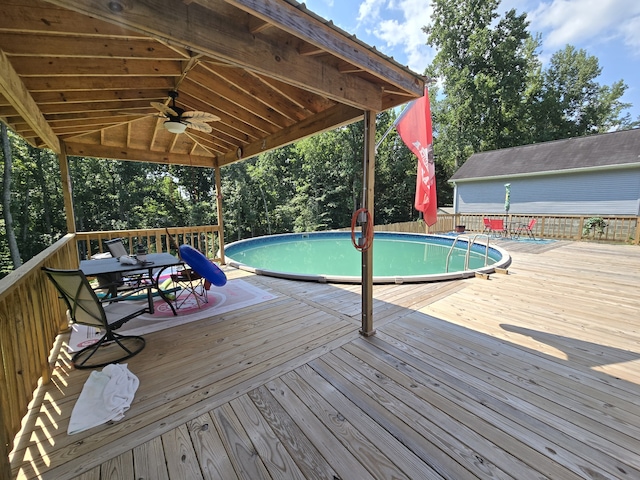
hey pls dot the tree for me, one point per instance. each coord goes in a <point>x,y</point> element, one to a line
<point>495,92</point>
<point>6,198</point>
<point>570,101</point>
<point>485,66</point>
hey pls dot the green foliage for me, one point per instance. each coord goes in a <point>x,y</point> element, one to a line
<point>495,92</point>
<point>594,225</point>
<point>6,266</point>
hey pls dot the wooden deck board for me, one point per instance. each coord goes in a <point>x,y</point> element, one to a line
<point>527,375</point>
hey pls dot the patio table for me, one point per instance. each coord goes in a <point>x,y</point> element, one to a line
<point>155,261</point>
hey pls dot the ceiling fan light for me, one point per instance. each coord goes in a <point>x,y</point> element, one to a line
<point>175,127</point>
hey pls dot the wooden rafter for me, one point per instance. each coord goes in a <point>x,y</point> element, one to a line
<point>13,89</point>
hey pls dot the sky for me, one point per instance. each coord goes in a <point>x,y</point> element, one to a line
<point>606,29</point>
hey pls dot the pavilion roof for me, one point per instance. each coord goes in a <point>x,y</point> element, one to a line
<point>83,73</point>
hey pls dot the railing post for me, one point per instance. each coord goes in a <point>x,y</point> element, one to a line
<point>580,227</point>
<point>220,215</point>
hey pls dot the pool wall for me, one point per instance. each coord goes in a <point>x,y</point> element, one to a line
<point>463,241</point>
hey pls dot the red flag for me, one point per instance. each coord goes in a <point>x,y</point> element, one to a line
<point>414,127</point>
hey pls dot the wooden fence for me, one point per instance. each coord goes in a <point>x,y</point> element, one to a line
<point>560,227</point>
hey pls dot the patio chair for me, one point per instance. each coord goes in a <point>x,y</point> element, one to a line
<point>495,226</point>
<point>85,308</point>
<point>190,282</point>
<point>115,281</point>
<point>116,247</point>
<point>526,228</point>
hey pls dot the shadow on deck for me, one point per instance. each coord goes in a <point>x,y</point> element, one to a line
<point>527,375</point>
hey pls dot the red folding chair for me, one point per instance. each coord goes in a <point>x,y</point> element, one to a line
<point>528,228</point>
<point>495,226</point>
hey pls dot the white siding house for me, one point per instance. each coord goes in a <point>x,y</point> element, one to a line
<point>593,175</point>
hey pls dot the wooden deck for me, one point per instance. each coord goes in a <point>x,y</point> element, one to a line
<point>534,374</point>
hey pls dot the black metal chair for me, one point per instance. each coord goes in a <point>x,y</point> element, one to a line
<point>85,308</point>
<point>116,282</point>
<point>190,282</point>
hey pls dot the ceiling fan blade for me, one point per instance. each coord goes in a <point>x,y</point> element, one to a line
<point>201,116</point>
<point>162,108</point>
<point>199,126</point>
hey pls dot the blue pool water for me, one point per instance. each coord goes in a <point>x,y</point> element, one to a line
<point>331,257</point>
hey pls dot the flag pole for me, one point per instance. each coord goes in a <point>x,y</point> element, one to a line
<point>428,81</point>
<point>384,136</point>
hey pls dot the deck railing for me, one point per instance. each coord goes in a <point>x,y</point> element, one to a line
<point>31,316</point>
<point>559,227</point>
<point>204,238</point>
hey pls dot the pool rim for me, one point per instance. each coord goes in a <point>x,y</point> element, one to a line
<point>503,263</point>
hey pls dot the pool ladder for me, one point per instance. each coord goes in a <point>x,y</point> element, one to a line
<point>470,241</point>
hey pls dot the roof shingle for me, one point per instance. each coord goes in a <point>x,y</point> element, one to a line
<point>608,149</point>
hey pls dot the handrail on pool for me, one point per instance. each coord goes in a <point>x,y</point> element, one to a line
<point>470,243</point>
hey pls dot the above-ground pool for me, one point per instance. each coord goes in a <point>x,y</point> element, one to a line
<point>397,257</point>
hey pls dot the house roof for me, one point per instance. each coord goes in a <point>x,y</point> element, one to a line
<point>83,74</point>
<point>595,151</point>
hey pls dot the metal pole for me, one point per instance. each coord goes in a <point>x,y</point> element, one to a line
<point>384,136</point>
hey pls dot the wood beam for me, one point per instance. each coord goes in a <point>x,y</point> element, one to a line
<point>84,96</point>
<point>134,155</point>
<point>225,35</point>
<point>99,67</point>
<point>295,21</point>
<point>68,84</point>
<point>77,46</point>
<point>249,84</point>
<point>12,88</point>
<point>329,119</point>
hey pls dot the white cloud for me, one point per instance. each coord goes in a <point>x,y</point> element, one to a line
<point>586,22</point>
<point>631,33</point>
<point>369,11</point>
<point>401,29</point>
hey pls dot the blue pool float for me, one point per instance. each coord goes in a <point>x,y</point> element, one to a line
<point>202,265</point>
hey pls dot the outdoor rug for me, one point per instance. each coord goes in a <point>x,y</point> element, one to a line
<point>234,295</point>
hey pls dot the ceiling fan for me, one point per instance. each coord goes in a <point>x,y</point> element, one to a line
<point>177,120</point>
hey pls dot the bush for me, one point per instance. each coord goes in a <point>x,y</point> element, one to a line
<point>594,225</point>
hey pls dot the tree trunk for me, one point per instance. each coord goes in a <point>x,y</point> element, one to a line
<point>6,198</point>
<point>40,175</point>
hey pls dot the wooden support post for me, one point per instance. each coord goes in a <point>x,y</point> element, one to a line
<point>368,201</point>
<point>67,189</point>
<point>220,216</point>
